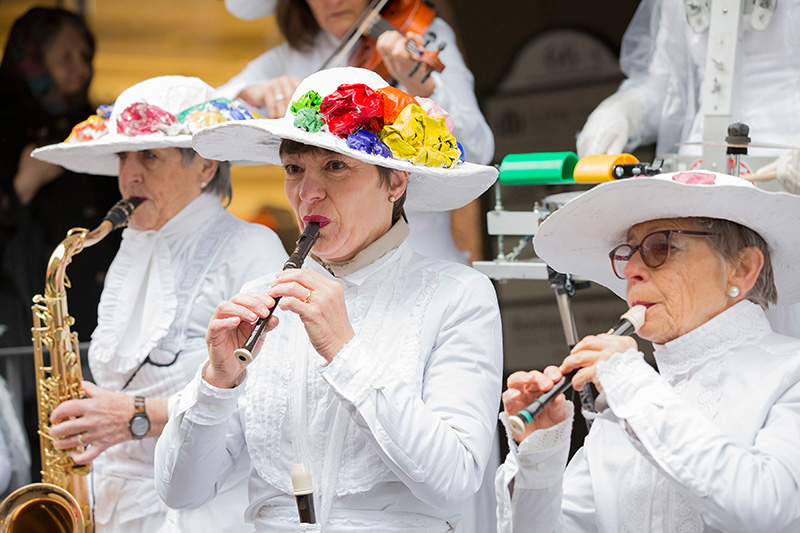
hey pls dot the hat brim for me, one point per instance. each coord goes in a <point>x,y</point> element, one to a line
<point>577,238</point>
<point>98,156</point>
<point>429,188</point>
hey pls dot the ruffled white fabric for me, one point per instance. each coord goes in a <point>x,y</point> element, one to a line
<point>359,468</point>
<point>140,296</point>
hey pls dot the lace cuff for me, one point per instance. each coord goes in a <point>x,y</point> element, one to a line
<point>540,458</point>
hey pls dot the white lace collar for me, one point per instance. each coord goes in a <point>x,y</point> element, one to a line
<point>729,329</point>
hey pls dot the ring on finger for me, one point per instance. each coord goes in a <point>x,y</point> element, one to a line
<point>308,297</point>
<point>80,440</point>
<point>279,97</point>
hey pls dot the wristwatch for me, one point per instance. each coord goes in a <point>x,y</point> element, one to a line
<point>139,424</point>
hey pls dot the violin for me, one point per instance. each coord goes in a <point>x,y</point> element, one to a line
<point>358,47</point>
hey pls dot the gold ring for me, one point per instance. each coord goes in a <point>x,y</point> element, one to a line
<point>80,440</point>
<point>308,296</point>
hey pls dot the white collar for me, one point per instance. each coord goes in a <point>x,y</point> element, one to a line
<point>389,241</point>
<point>726,331</point>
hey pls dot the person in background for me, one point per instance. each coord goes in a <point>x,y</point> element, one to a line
<point>44,83</point>
<point>181,254</point>
<point>709,441</point>
<point>383,369</point>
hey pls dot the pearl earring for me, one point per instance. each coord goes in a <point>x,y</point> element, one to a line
<point>392,199</point>
<point>203,185</point>
<point>733,291</point>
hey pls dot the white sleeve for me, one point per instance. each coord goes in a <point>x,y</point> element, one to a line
<point>200,444</point>
<point>271,64</point>
<point>736,486</point>
<point>455,92</point>
<point>535,494</point>
<point>437,444</point>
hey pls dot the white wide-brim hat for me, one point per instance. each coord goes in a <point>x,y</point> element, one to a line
<point>577,238</point>
<point>250,9</point>
<point>429,188</point>
<point>173,94</point>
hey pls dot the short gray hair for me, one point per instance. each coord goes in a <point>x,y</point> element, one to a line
<point>220,184</point>
<point>730,238</point>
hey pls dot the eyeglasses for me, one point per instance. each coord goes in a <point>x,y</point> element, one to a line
<point>654,249</point>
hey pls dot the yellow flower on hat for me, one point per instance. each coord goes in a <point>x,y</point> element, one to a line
<point>422,139</point>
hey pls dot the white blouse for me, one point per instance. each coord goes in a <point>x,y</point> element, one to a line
<point>709,444</point>
<point>396,430</point>
<point>159,295</point>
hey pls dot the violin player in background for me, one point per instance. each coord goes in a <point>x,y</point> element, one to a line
<point>382,370</point>
<point>313,29</point>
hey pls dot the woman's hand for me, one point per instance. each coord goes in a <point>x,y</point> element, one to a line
<point>524,388</point>
<point>588,352</point>
<point>319,302</point>
<point>274,95</point>
<point>32,175</point>
<point>391,46</point>
<point>228,330</point>
<point>101,419</point>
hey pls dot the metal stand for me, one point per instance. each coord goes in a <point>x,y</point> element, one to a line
<point>565,288</point>
<point>502,223</point>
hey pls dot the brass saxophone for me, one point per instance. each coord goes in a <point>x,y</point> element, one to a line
<point>60,503</point>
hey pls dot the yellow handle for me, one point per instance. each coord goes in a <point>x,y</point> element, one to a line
<point>597,168</point>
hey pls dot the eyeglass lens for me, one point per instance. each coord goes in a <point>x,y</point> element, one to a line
<point>654,249</point>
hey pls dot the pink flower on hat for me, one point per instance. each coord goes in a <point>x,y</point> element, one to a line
<point>695,178</point>
<point>141,118</point>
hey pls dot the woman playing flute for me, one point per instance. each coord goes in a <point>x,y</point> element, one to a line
<point>707,443</point>
<point>382,370</point>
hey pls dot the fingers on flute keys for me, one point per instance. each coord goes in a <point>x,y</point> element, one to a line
<point>525,387</point>
<point>240,313</point>
<point>591,350</point>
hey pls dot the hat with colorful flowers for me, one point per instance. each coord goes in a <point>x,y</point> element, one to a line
<point>354,112</point>
<point>161,112</point>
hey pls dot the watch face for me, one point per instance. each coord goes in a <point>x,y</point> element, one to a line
<point>140,425</point>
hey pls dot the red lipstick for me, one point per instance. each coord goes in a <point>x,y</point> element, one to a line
<point>322,221</point>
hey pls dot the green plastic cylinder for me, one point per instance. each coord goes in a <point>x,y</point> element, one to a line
<point>538,168</point>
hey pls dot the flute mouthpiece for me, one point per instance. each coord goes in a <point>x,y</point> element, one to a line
<point>635,315</point>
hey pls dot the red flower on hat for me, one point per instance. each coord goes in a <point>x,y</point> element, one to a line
<point>695,178</point>
<point>352,107</point>
<point>144,119</point>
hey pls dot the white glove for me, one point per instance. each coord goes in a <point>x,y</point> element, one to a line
<point>610,125</point>
<point>786,169</point>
